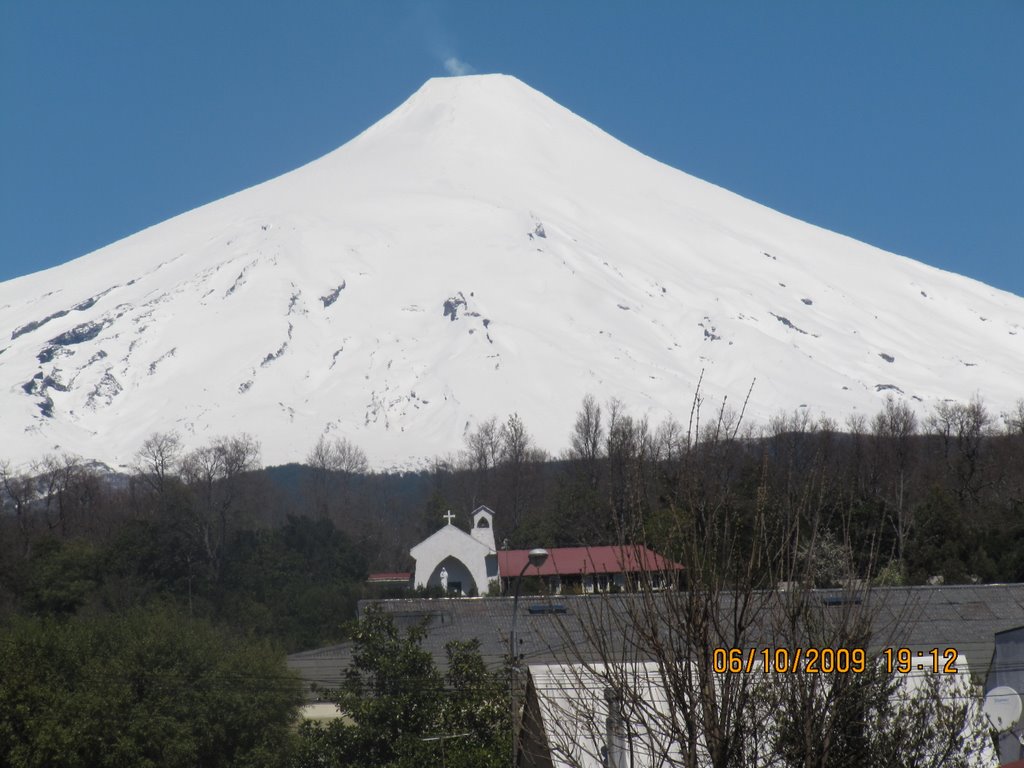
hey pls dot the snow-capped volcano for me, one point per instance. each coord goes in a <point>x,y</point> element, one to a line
<point>481,250</point>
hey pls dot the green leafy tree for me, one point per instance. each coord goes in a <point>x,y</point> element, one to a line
<point>152,688</point>
<point>400,711</point>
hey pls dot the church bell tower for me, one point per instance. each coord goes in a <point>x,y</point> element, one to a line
<point>483,527</point>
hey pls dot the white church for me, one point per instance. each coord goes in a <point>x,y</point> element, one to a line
<point>458,562</point>
<point>461,563</point>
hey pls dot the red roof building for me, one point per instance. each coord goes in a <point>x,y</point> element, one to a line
<point>590,569</point>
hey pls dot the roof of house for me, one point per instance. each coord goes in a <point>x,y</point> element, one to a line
<point>322,668</point>
<point>567,628</point>
<point>566,722</point>
<point>572,561</point>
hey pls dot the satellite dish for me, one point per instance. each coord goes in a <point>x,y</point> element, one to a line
<point>1002,707</point>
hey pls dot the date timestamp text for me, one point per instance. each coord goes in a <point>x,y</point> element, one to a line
<point>831,660</point>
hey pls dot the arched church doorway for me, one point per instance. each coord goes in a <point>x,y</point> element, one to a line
<point>452,575</point>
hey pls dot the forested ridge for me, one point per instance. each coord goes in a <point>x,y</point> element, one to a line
<point>282,553</point>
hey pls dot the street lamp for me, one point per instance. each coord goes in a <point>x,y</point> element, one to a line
<point>536,558</point>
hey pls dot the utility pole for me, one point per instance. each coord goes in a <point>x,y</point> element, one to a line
<point>536,558</point>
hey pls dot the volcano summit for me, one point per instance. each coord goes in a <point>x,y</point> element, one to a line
<point>480,250</point>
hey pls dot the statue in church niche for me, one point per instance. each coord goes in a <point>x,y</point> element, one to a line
<point>444,579</point>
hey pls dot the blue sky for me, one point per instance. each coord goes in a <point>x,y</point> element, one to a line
<point>899,124</point>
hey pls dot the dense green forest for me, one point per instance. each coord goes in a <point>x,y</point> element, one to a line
<point>152,591</point>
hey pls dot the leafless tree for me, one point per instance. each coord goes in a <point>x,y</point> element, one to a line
<point>893,429</point>
<point>480,456</point>
<point>156,462</point>
<point>963,429</point>
<point>68,493</point>
<point>1015,419</point>
<point>586,441</point>
<point>333,463</point>
<point>18,494</point>
<point>516,455</point>
<point>213,475</point>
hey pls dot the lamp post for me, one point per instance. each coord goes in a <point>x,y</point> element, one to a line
<point>536,558</point>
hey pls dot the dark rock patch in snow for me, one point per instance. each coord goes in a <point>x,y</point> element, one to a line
<point>80,333</point>
<point>240,280</point>
<point>33,385</point>
<point>244,387</point>
<point>82,306</point>
<point>786,322</point>
<point>87,303</point>
<point>50,382</point>
<point>234,285</point>
<point>29,327</point>
<point>46,406</point>
<point>808,302</point>
<point>623,306</point>
<point>152,366</point>
<point>769,256</point>
<point>333,295</point>
<point>272,356</point>
<point>887,358</point>
<point>104,392</point>
<point>709,330</point>
<point>539,230</point>
<point>57,346</point>
<point>885,387</point>
<point>452,304</point>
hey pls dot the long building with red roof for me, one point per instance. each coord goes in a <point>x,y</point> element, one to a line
<point>468,563</point>
<point>590,569</point>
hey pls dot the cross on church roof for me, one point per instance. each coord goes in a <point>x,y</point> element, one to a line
<point>449,517</point>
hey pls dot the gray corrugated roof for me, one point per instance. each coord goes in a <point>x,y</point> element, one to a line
<point>322,668</point>
<point>961,617</point>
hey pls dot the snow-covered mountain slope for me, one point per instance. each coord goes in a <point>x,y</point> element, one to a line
<point>481,250</point>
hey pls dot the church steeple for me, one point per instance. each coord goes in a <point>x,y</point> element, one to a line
<point>483,527</point>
